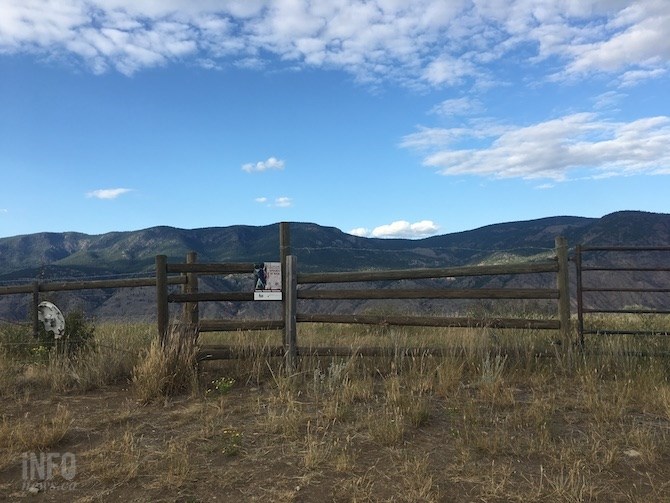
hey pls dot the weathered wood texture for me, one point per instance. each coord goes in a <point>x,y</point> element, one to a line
<point>239,325</point>
<point>427,273</point>
<point>162,307</point>
<point>191,307</point>
<point>63,286</point>
<point>431,293</point>
<point>223,268</point>
<point>290,312</point>
<point>428,321</point>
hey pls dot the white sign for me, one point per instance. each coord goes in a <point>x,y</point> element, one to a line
<point>267,276</point>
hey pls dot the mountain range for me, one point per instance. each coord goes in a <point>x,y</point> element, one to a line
<point>68,255</point>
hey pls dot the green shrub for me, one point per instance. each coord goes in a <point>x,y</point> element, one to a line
<point>17,340</point>
<point>79,332</point>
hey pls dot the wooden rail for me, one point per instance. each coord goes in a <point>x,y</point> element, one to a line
<point>299,288</point>
<point>63,286</point>
<point>428,293</point>
<point>37,287</point>
<point>449,272</point>
<point>430,321</point>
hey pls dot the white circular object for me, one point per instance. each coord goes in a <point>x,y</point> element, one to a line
<point>51,318</point>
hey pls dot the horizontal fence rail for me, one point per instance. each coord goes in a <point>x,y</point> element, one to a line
<point>481,293</point>
<point>37,287</point>
<point>223,268</point>
<point>393,275</point>
<point>430,321</point>
<point>63,286</point>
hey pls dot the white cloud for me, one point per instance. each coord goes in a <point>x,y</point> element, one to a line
<point>359,231</point>
<point>448,70</point>
<point>4,210</point>
<point>551,149</point>
<point>633,37</point>
<point>432,42</point>
<point>107,193</point>
<point>399,229</point>
<point>278,202</point>
<point>271,163</point>
<point>283,202</point>
<point>633,77</point>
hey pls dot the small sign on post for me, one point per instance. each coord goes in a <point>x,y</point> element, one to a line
<point>267,276</point>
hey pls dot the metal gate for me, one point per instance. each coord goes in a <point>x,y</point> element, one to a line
<point>622,280</point>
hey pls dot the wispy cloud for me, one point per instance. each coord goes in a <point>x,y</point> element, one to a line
<point>283,202</point>
<point>551,149</point>
<point>399,229</point>
<point>107,193</point>
<point>431,42</point>
<point>271,163</point>
<point>458,106</point>
<point>278,202</point>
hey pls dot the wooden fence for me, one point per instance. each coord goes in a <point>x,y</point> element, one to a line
<point>617,282</point>
<point>295,288</point>
<point>37,287</point>
<point>292,292</point>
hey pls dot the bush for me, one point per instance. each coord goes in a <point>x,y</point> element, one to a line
<point>78,337</point>
<point>79,332</point>
<point>17,340</point>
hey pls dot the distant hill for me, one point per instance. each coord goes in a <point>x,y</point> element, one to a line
<point>54,256</point>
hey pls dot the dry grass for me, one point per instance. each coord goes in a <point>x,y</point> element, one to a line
<point>502,416</point>
<point>35,434</point>
<point>167,370</point>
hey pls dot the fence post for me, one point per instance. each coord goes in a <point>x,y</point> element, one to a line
<point>284,252</point>
<point>33,311</point>
<point>162,309</point>
<point>580,298</point>
<point>191,309</point>
<point>563,290</point>
<point>290,311</point>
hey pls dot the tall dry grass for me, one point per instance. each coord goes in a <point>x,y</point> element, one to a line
<point>168,369</point>
<point>500,415</point>
<point>26,367</point>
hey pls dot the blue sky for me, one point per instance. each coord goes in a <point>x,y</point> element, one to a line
<point>384,118</point>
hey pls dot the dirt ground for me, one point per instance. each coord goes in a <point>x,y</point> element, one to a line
<point>438,435</point>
